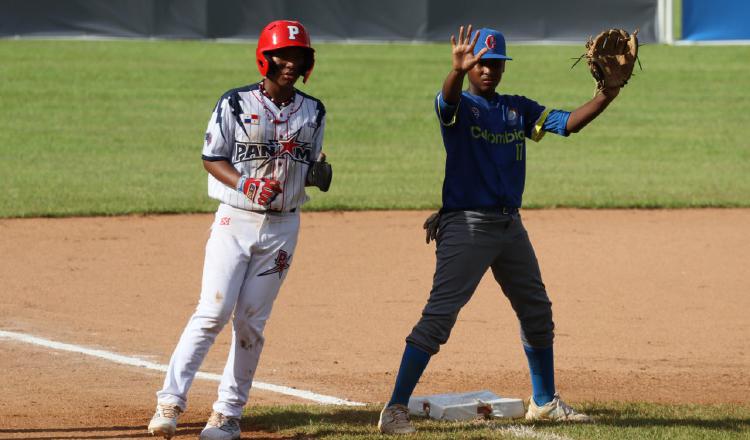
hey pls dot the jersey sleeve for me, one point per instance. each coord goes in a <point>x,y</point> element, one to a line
<point>219,138</point>
<point>556,121</point>
<point>446,113</point>
<point>318,135</point>
<point>538,120</point>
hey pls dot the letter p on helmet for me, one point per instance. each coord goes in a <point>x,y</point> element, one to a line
<point>293,31</point>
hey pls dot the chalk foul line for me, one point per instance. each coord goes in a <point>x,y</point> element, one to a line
<point>523,431</point>
<point>137,362</point>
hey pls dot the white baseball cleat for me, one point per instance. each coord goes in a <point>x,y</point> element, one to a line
<point>555,411</point>
<point>394,419</point>
<point>221,427</point>
<point>164,421</point>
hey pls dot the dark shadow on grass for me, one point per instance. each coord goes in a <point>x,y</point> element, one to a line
<point>249,424</point>
<point>348,421</point>
<point>290,419</point>
<point>115,432</point>
<point>363,421</point>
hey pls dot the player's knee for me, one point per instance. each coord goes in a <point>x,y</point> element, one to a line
<point>429,336</point>
<point>214,313</point>
<point>212,324</point>
<point>427,345</point>
<point>249,331</point>
<point>537,327</point>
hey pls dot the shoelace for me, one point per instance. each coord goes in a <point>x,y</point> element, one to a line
<point>169,412</point>
<point>567,410</point>
<point>231,425</point>
<point>227,424</point>
<point>401,414</point>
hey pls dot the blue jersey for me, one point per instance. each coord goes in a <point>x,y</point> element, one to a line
<point>485,142</point>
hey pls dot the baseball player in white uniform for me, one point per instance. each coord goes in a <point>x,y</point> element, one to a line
<point>263,145</point>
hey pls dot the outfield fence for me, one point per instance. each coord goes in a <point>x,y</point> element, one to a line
<point>333,20</point>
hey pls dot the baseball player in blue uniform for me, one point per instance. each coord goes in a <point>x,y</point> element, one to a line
<point>263,146</point>
<point>479,225</point>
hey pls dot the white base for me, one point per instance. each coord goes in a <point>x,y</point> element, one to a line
<point>465,406</point>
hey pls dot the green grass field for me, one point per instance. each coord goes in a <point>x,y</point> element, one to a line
<point>113,127</point>
<point>615,421</point>
<point>116,127</point>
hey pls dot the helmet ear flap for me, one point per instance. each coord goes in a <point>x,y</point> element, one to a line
<point>272,67</point>
<point>309,64</point>
<point>262,65</point>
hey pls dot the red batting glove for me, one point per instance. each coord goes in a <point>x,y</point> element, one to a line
<point>259,190</point>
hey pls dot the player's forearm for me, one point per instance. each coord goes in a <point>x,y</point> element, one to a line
<point>586,113</point>
<point>223,171</point>
<point>452,87</point>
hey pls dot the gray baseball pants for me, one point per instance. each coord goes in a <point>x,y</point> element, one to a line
<point>468,243</point>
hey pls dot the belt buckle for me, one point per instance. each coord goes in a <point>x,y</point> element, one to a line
<point>505,210</point>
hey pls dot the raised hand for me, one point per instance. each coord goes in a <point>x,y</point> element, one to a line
<point>463,50</point>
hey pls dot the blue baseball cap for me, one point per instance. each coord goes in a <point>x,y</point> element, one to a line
<point>494,41</point>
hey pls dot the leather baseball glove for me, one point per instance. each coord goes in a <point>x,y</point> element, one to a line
<point>431,226</point>
<point>320,174</point>
<point>611,56</point>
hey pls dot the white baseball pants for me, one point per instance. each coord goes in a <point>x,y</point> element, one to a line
<point>247,258</point>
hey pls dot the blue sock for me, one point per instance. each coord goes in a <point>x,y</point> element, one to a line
<point>412,366</point>
<point>542,369</point>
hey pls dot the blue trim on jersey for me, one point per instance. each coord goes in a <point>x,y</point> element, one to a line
<point>233,97</point>
<point>215,158</point>
<point>485,145</point>
<point>320,108</point>
<point>444,110</point>
<point>234,104</point>
<point>228,93</point>
<point>321,113</point>
<point>308,96</point>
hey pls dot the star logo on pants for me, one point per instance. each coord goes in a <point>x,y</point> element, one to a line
<point>281,263</point>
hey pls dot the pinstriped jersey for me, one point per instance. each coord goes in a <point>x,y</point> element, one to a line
<point>262,140</point>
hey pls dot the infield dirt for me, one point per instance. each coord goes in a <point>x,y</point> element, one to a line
<point>648,305</point>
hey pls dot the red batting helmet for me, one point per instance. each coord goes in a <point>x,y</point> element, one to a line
<point>279,34</point>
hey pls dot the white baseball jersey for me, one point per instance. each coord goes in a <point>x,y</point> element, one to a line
<point>260,140</point>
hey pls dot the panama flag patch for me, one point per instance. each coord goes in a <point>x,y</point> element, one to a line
<point>251,119</point>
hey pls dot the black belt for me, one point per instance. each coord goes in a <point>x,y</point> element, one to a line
<point>504,210</point>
